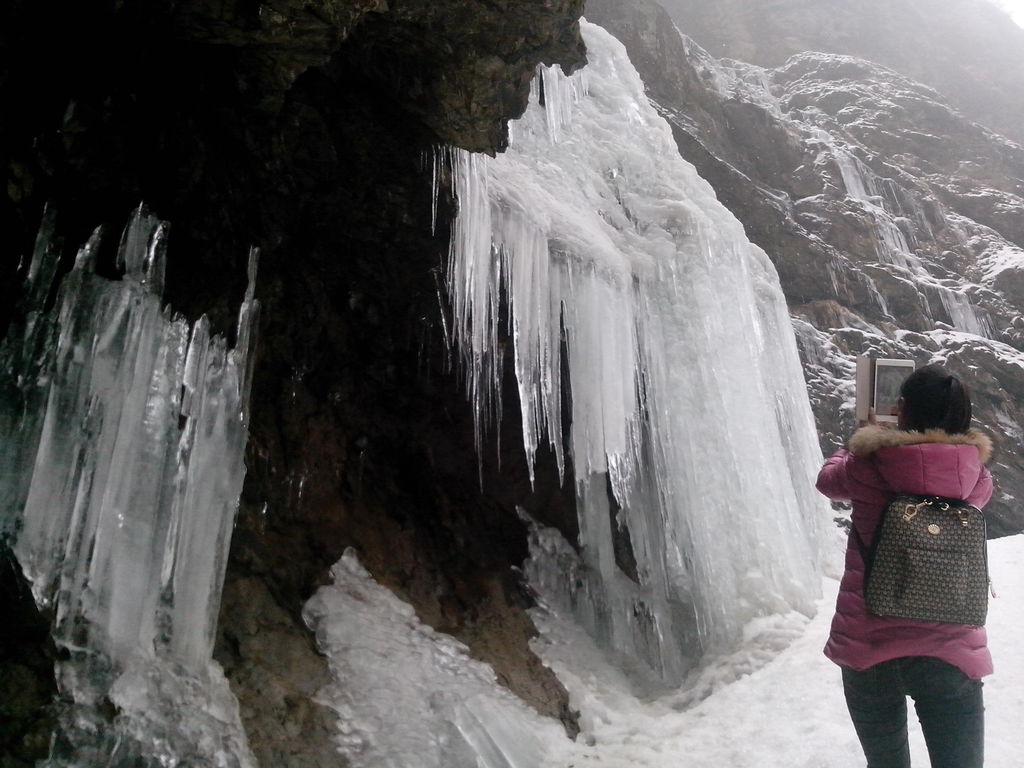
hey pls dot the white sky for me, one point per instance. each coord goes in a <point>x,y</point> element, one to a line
<point>1015,8</point>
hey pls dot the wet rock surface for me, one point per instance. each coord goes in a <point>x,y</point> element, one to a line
<point>27,658</point>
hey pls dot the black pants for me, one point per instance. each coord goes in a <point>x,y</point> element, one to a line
<point>948,703</point>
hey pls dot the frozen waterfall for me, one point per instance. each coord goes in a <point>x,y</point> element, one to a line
<point>690,424</point>
<point>630,291</point>
<point>124,431</point>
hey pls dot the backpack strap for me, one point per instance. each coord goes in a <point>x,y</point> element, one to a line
<point>867,553</point>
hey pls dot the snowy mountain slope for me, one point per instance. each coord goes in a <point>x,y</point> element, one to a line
<point>969,50</point>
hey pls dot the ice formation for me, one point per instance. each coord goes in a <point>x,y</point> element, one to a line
<point>124,430</point>
<point>409,696</point>
<point>690,426</point>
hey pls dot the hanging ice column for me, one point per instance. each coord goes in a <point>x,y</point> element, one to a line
<point>687,397</point>
<point>124,431</point>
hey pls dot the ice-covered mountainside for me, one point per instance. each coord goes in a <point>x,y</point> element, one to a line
<point>123,429</point>
<point>896,223</point>
<point>923,214</point>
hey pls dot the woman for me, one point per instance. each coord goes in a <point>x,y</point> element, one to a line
<point>935,452</point>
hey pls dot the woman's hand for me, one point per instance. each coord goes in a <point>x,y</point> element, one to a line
<point>873,421</point>
<point>869,420</point>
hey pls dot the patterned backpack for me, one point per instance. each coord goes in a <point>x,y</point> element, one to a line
<point>928,561</point>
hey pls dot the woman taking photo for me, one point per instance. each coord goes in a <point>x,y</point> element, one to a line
<point>933,451</point>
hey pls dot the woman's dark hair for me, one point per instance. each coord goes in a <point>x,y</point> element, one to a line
<point>933,398</point>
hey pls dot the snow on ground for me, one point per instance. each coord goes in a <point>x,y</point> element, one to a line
<point>787,712</point>
<point>408,696</point>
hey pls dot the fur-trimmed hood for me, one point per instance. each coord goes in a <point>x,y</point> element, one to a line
<point>870,438</point>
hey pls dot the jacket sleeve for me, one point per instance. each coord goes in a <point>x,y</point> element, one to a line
<point>982,490</point>
<point>833,479</point>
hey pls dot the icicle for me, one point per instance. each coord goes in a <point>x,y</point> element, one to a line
<point>43,267</point>
<point>437,162</point>
<point>244,353</point>
<point>85,260</point>
<point>561,94</point>
<point>134,254</point>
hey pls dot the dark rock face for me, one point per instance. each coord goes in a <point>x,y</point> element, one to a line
<point>459,66</point>
<point>307,130</point>
<point>968,50</point>
<point>27,685</point>
<point>894,222</point>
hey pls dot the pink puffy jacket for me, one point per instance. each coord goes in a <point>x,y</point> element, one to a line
<point>879,463</point>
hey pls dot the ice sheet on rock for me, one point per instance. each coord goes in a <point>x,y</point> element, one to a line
<point>999,259</point>
<point>861,185</point>
<point>963,315</point>
<point>127,435</point>
<point>894,230</point>
<point>409,697</point>
<point>680,359</point>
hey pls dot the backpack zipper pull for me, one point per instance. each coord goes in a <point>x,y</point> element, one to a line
<point>910,511</point>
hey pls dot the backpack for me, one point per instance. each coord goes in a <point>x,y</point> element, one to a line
<point>928,561</point>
